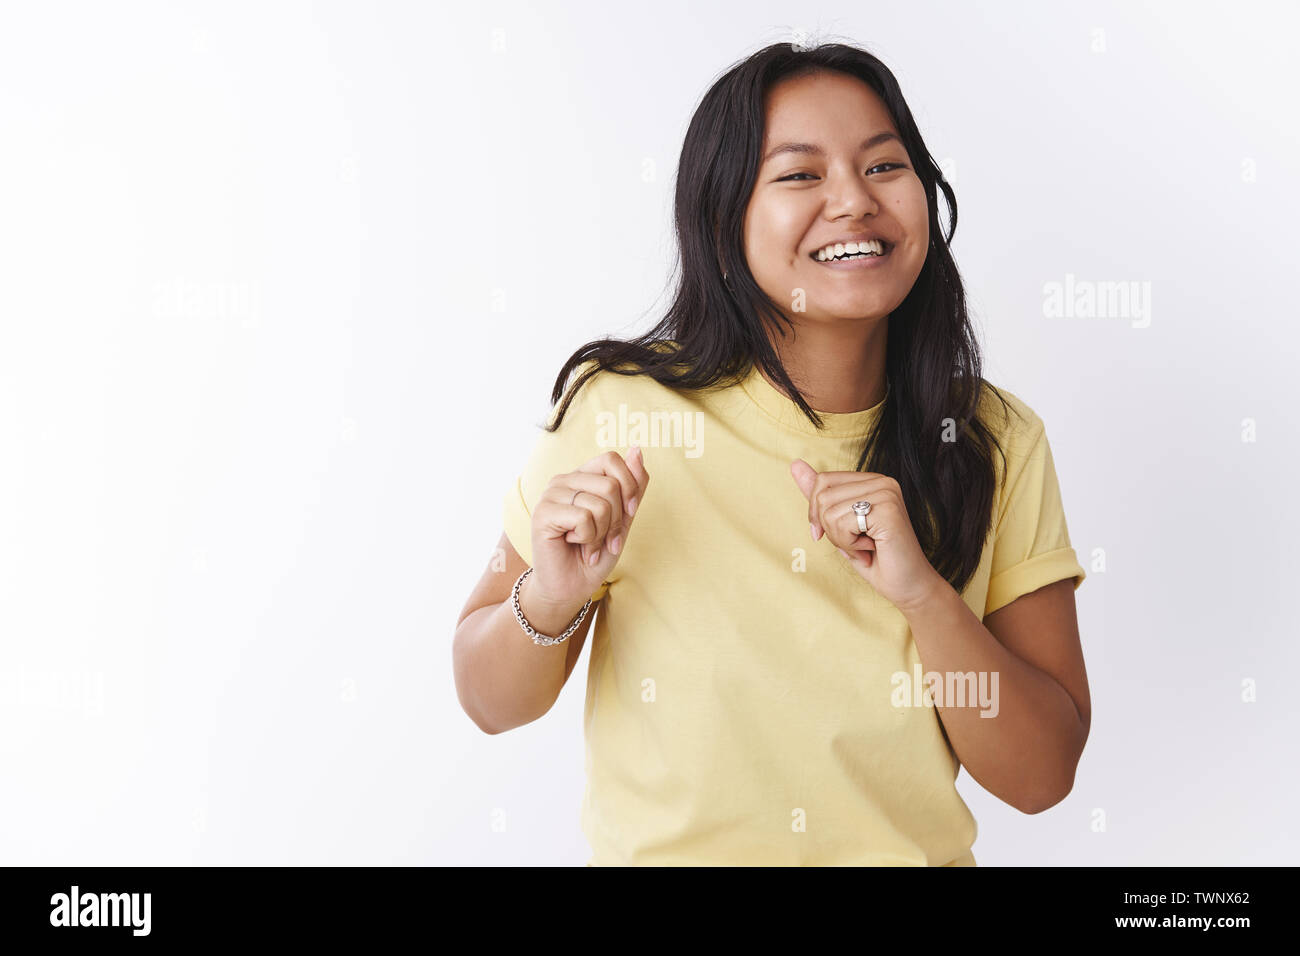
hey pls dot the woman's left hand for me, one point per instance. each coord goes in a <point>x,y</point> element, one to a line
<point>888,556</point>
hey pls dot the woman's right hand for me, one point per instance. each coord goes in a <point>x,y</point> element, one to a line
<point>580,526</point>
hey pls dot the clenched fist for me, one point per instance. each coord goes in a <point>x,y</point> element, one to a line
<point>581,524</point>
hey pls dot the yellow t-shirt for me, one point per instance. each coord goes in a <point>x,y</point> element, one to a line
<point>739,705</point>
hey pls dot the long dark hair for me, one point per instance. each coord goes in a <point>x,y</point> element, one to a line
<point>933,365</point>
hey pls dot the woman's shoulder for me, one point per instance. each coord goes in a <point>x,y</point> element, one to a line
<point>1008,415</point>
<point>622,383</point>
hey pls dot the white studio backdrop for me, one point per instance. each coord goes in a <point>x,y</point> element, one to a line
<point>285,289</point>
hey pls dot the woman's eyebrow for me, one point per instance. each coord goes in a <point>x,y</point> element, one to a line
<point>815,150</point>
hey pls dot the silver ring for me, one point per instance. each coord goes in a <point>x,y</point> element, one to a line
<point>575,496</point>
<point>861,509</point>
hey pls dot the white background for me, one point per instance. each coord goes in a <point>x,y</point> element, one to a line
<point>284,288</point>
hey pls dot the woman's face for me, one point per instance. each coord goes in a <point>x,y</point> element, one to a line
<point>829,189</point>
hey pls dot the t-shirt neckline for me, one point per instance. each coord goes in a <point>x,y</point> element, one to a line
<point>781,408</point>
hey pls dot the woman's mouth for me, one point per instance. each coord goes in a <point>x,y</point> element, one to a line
<point>853,255</point>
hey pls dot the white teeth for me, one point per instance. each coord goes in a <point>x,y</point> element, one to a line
<point>870,246</point>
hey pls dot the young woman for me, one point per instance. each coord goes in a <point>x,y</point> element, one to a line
<point>851,573</point>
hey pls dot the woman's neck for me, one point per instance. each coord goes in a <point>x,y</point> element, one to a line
<point>835,371</point>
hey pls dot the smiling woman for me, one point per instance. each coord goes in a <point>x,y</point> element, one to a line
<point>817,539</point>
<point>822,194</point>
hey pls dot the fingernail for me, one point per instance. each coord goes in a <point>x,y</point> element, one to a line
<point>616,544</point>
<point>841,551</point>
<point>631,506</point>
<point>595,556</point>
<point>812,530</point>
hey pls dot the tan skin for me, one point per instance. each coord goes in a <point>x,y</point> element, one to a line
<point>581,522</point>
<point>494,587</point>
<point>1028,754</point>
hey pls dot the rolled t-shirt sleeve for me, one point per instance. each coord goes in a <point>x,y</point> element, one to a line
<point>1032,542</point>
<point>566,449</point>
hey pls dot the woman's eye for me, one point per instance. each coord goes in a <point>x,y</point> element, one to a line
<point>885,166</point>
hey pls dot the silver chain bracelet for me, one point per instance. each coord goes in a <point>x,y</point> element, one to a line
<point>528,628</point>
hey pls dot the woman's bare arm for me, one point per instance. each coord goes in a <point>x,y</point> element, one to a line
<point>580,524</point>
<point>503,679</point>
